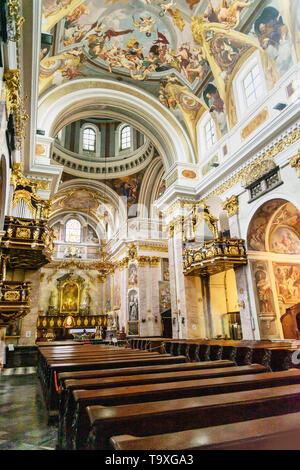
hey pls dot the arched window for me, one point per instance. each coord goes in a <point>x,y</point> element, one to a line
<point>73,231</point>
<point>126,138</point>
<point>253,86</point>
<point>89,140</point>
<point>210,133</point>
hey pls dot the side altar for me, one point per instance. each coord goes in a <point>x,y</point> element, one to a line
<point>69,308</point>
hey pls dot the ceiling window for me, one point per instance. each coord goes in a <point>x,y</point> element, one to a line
<point>89,140</point>
<point>210,133</point>
<point>126,138</point>
<point>253,86</point>
<point>73,231</point>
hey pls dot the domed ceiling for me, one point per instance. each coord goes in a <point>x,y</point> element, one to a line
<point>184,52</point>
<point>141,39</point>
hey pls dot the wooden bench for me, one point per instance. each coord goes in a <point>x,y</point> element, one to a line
<point>87,374</point>
<point>76,412</point>
<point>143,379</point>
<point>187,413</point>
<point>50,382</point>
<point>274,433</point>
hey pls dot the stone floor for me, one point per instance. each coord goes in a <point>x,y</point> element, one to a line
<point>23,418</point>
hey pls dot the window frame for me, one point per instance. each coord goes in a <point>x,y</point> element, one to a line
<point>92,153</point>
<point>66,229</point>
<point>243,109</point>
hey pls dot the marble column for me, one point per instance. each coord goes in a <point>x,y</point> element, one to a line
<point>28,330</point>
<point>155,272</point>
<point>247,321</point>
<point>143,286</point>
<point>179,292</point>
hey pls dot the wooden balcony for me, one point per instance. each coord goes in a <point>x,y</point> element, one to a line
<point>14,301</point>
<point>27,243</point>
<point>212,257</point>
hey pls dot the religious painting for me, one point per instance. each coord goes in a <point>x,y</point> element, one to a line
<point>56,231</point>
<point>285,240</point>
<point>80,199</point>
<point>164,296</point>
<point>227,51</point>
<point>69,297</point>
<point>133,328</point>
<point>262,287</point>
<point>216,107</point>
<point>128,188</point>
<point>132,275</point>
<point>287,276</point>
<point>108,289</point>
<point>117,288</point>
<point>91,235</point>
<point>258,225</point>
<point>274,37</point>
<point>133,305</point>
<point>287,216</point>
<point>14,330</point>
<point>165,269</point>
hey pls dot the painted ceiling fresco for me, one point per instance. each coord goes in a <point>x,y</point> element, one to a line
<point>189,49</point>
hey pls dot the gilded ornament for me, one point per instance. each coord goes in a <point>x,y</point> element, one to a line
<point>231,205</point>
<point>295,162</point>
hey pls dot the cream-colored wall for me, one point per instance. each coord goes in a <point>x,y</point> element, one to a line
<point>194,307</point>
<point>223,299</point>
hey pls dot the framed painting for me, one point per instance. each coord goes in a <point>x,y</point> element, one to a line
<point>14,330</point>
<point>133,328</point>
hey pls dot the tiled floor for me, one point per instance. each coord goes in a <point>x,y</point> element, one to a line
<point>23,418</point>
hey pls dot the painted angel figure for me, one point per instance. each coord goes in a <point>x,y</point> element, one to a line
<point>166,7</point>
<point>145,25</point>
<point>230,14</point>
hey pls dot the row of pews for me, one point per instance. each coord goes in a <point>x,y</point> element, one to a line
<point>159,394</point>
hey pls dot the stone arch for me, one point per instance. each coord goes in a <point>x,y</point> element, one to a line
<point>62,105</point>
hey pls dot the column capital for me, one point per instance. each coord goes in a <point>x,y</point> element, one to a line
<point>231,205</point>
<point>295,162</point>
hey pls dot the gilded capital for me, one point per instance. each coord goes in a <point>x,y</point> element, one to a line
<point>154,260</point>
<point>231,205</point>
<point>295,162</point>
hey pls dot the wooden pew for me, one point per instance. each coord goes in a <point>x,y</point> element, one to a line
<point>143,379</point>
<point>51,386</point>
<point>76,411</point>
<point>187,413</point>
<point>274,433</point>
<point>141,370</point>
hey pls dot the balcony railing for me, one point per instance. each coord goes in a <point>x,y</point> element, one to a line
<point>14,301</point>
<point>28,243</point>
<point>212,257</point>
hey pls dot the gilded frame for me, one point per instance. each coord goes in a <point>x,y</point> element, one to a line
<point>69,312</point>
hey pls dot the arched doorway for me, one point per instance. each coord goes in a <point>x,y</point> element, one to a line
<point>274,253</point>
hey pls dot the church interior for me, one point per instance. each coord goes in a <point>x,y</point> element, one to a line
<point>149,225</point>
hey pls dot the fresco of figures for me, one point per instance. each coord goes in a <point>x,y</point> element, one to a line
<point>164,296</point>
<point>287,277</point>
<point>189,49</point>
<point>133,279</point>
<point>257,230</point>
<point>165,269</point>
<point>262,285</point>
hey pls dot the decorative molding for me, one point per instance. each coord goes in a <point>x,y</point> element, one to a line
<point>258,171</point>
<point>244,172</point>
<point>231,205</point>
<point>295,162</point>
